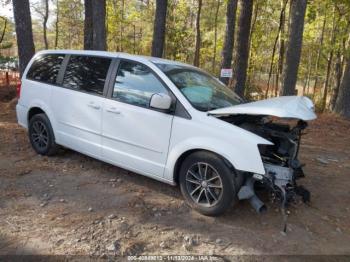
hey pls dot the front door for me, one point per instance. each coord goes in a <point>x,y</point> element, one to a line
<point>134,135</point>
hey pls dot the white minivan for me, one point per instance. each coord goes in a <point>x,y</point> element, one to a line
<point>167,120</point>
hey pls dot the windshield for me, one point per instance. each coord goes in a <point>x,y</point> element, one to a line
<point>202,90</point>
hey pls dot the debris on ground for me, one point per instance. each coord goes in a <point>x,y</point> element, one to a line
<point>101,218</point>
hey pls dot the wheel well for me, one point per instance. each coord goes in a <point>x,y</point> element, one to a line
<point>34,111</point>
<point>180,160</point>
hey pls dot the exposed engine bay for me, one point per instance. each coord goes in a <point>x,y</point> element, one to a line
<point>282,167</point>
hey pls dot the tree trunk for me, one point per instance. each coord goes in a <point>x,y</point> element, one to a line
<point>281,24</point>
<point>330,60</point>
<point>253,24</point>
<point>134,39</point>
<point>115,40</point>
<point>252,30</point>
<point>99,25</point>
<point>24,32</point>
<point>88,29</point>
<point>338,77</point>
<point>326,83</point>
<point>295,42</point>
<point>140,40</point>
<point>342,105</point>
<point>319,52</point>
<point>198,35</point>
<point>242,47</point>
<point>159,28</point>
<point>281,52</point>
<point>215,35</point>
<point>121,26</point>
<point>46,17</point>
<point>339,67</point>
<point>56,24</point>
<point>229,37</point>
<point>308,74</point>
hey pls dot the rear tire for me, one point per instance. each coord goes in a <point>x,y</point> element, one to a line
<point>207,183</point>
<point>41,135</point>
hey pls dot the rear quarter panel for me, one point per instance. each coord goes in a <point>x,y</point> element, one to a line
<point>33,94</point>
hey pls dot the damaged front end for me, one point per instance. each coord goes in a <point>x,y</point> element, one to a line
<point>282,167</point>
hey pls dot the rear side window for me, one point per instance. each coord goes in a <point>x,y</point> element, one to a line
<point>86,73</point>
<point>45,68</point>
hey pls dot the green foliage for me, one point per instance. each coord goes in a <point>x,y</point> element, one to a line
<point>129,26</point>
<point>180,34</point>
<point>130,29</point>
<point>8,39</point>
<point>71,24</point>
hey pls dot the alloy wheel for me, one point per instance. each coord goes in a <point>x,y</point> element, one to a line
<point>204,184</point>
<point>40,136</point>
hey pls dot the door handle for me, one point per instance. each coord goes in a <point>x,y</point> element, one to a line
<point>113,110</point>
<point>97,107</point>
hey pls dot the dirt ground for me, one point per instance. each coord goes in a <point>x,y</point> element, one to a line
<point>73,204</point>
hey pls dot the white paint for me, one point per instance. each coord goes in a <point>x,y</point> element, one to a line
<point>299,107</point>
<point>147,141</point>
<point>160,101</point>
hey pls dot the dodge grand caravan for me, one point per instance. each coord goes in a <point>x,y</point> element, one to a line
<point>166,120</point>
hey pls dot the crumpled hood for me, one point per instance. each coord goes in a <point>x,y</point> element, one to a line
<point>299,107</point>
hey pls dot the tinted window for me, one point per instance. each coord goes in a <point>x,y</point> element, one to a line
<point>45,68</point>
<point>86,73</point>
<point>135,84</point>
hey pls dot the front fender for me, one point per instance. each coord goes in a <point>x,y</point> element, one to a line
<point>244,157</point>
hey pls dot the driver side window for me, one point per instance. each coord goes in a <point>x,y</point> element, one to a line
<point>135,84</point>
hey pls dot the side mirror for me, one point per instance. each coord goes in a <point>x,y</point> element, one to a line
<point>160,101</point>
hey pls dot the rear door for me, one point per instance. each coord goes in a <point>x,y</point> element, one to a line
<point>78,103</point>
<point>134,135</point>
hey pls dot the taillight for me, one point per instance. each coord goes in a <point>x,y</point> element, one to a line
<point>18,89</point>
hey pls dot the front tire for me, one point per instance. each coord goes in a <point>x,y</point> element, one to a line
<point>207,183</point>
<point>41,135</point>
